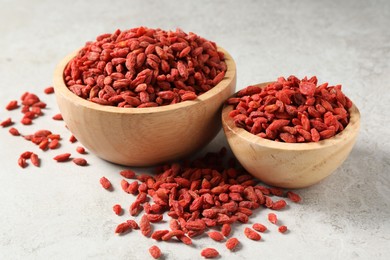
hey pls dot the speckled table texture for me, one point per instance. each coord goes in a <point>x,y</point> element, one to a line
<point>62,212</point>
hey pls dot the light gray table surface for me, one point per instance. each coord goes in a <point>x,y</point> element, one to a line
<point>61,212</point>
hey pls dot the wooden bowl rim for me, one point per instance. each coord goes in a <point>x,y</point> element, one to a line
<point>349,132</point>
<point>61,88</point>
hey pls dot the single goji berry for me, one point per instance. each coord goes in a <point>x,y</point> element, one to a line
<point>232,243</point>
<point>105,183</point>
<point>209,253</point>
<point>282,229</point>
<point>272,218</point>
<point>117,209</point>
<point>155,252</point>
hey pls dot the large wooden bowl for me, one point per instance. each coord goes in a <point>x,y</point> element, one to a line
<point>290,165</point>
<point>144,136</point>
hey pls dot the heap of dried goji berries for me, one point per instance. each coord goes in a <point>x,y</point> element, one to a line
<point>292,110</point>
<point>31,107</point>
<point>145,67</point>
<point>197,196</point>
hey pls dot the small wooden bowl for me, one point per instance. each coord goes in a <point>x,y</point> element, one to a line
<point>289,165</point>
<point>144,136</point>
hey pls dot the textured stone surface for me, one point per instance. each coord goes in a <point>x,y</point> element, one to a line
<point>61,212</point>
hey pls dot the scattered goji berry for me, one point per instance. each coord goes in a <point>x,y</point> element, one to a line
<point>293,196</point>
<point>117,209</point>
<point>272,218</point>
<point>35,159</point>
<point>259,227</point>
<point>105,183</point>
<point>57,117</point>
<point>122,228</point>
<point>12,105</point>
<point>232,243</point>
<point>209,253</point>
<point>62,157</point>
<point>129,174</point>
<point>251,234</point>
<point>80,161</point>
<point>6,122</point>
<point>282,229</point>
<point>13,131</point>
<point>215,235</point>
<point>155,252</point>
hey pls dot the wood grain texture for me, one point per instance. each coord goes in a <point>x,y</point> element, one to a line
<point>144,136</point>
<point>290,165</point>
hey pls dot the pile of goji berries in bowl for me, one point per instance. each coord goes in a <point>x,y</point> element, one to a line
<point>291,133</point>
<point>144,96</point>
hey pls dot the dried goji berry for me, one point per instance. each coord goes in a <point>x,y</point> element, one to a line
<point>272,218</point>
<point>145,226</point>
<point>13,131</point>
<point>12,105</point>
<point>35,159</point>
<point>209,253</point>
<point>282,229</point>
<point>62,157</point>
<point>105,183</point>
<point>215,235</point>
<point>259,227</point>
<point>6,122</point>
<point>129,174</point>
<point>122,228</point>
<point>251,234</point>
<point>232,243</point>
<point>117,209</point>
<point>293,196</point>
<point>80,161</point>
<point>155,252</point>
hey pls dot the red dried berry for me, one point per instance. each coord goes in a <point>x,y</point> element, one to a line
<point>215,235</point>
<point>80,150</point>
<point>282,229</point>
<point>209,253</point>
<point>26,121</point>
<point>62,157</point>
<point>54,144</point>
<point>155,252</point>
<point>80,161</point>
<point>129,174</point>
<point>13,131</point>
<point>122,228</point>
<point>49,90</point>
<point>12,105</point>
<point>22,162</point>
<point>117,209</point>
<point>6,122</point>
<point>26,155</point>
<point>226,229</point>
<point>251,234</point>
<point>145,226</point>
<point>293,197</point>
<point>280,204</point>
<point>57,117</point>
<point>35,159</point>
<point>105,183</point>
<point>272,218</point>
<point>72,139</point>
<point>259,227</point>
<point>158,234</point>
<point>232,243</point>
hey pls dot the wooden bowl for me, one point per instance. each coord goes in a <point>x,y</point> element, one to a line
<point>290,165</point>
<point>144,136</point>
